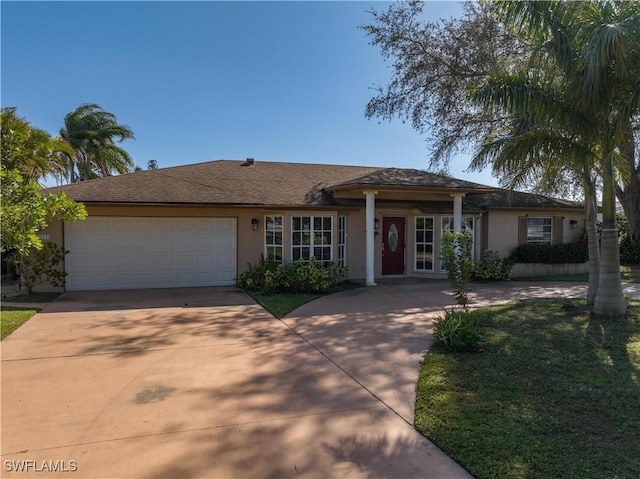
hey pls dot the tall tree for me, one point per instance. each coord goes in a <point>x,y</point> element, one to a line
<point>24,211</point>
<point>435,64</point>
<point>93,133</point>
<point>599,56</point>
<point>628,184</point>
<point>32,151</point>
<point>546,138</point>
<point>583,53</point>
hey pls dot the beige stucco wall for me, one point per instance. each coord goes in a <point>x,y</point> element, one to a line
<point>356,252</point>
<point>499,227</point>
<point>250,244</point>
<point>502,227</point>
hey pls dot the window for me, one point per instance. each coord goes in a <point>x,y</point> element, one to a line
<point>273,238</point>
<point>342,241</point>
<point>311,236</point>
<point>539,230</point>
<point>467,223</point>
<point>467,226</point>
<point>424,244</point>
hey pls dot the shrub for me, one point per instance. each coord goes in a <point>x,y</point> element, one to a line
<point>266,276</point>
<point>40,266</point>
<point>313,276</point>
<point>456,254</point>
<point>491,267</point>
<point>551,254</point>
<point>300,276</point>
<point>629,250</point>
<point>457,331</point>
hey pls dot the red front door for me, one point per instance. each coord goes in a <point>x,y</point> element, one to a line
<point>392,245</point>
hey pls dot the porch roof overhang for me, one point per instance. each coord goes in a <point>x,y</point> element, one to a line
<point>402,192</point>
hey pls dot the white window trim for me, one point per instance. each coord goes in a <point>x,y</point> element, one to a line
<point>543,241</point>
<point>312,244</point>
<point>415,245</point>
<point>266,250</point>
<point>342,228</point>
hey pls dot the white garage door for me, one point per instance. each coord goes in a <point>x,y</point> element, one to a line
<point>134,253</point>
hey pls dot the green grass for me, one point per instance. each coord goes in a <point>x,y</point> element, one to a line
<point>630,274</point>
<point>281,304</point>
<point>31,298</point>
<point>13,318</point>
<point>554,393</point>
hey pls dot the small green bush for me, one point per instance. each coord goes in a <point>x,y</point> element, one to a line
<point>629,250</point>
<point>456,254</point>
<point>311,276</point>
<point>491,267</point>
<point>267,276</point>
<point>40,266</point>
<point>457,331</point>
<point>551,254</point>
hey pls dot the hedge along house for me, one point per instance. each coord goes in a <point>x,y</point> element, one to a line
<point>202,224</point>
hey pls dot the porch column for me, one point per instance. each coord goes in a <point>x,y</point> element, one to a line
<point>370,235</point>
<point>457,212</point>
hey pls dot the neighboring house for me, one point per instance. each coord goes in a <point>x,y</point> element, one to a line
<point>202,224</point>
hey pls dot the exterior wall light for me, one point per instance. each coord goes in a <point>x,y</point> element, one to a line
<point>254,224</point>
<point>376,224</point>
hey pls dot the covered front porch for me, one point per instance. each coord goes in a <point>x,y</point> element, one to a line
<point>404,218</point>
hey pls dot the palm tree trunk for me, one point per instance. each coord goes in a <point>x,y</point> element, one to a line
<point>592,241</point>
<point>609,302</point>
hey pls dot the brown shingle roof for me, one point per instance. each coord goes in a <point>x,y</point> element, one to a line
<point>408,178</point>
<point>501,198</point>
<point>240,183</point>
<point>228,182</point>
<point>222,182</point>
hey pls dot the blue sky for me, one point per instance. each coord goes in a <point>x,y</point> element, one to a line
<point>199,81</point>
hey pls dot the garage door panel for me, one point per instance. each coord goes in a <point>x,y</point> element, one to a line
<point>205,259</point>
<point>186,224</point>
<point>129,253</point>
<point>163,244</point>
<point>226,225</point>
<point>224,260</point>
<point>121,261</point>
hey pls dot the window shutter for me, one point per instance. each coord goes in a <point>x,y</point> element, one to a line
<point>558,222</point>
<point>522,230</point>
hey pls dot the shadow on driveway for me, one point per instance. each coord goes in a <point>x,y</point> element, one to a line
<point>136,384</point>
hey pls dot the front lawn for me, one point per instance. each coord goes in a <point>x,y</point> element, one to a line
<point>13,318</point>
<point>555,393</point>
<point>281,304</point>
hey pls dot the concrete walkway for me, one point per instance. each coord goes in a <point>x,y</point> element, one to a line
<point>202,382</point>
<point>378,336</point>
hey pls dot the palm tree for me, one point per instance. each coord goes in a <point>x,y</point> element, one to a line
<point>545,139</point>
<point>592,50</point>
<point>93,133</point>
<point>33,152</point>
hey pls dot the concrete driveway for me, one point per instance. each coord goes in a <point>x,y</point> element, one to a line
<point>199,383</point>
<point>202,382</point>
